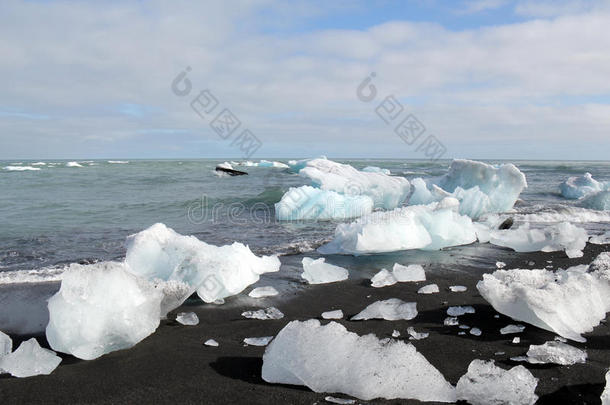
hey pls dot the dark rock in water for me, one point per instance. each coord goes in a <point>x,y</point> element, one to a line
<point>232,172</point>
<point>507,224</point>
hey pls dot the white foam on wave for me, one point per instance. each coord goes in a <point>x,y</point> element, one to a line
<point>43,275</point>
<point>563,214</point>
<point>21,168</point>
<point>73,164</point>
<point>118,162</point>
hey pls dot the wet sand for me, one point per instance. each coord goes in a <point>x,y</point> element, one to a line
<point>173,365</point>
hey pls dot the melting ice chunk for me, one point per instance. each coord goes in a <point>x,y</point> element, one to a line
<point>500,265</point>
<point>597,201</point>
<point>262,292</point>
<point>264,314</point>
<point>602,239</point>
<point>383,279</point>
<point>508,329</point>
<point>333,400</point>
<point>451,321</point>
<point>460,310</point>
<point>331,359</point>
<point>337,314</point>
<point>392,309</point>
<point>457,288</point>
<point>516,340</point>
<point>428,289</point>
<point>412,272</point>
<point>258,341</point>
<point>577,187</point>
<point>557,353</point>
<point>416,335</point>
<point>211,342</point>
<point>395,333</point>
<point>29,360</point>
<point>319,272</point>
<point>475,331</point>
<point>6,344</point>
<point>187,318</point>
<point>605,398</point>
<point>485,383</point>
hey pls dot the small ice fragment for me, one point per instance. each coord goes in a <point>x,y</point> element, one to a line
<point>337,314</point>
<point>258,341</point>
<point>262,292</point>
<point>218,301</point>
<point>319,272</point>
<point>606,394</point>
<point>497,316</point>
<point>459,311</point>
<point>549,261</point>
<point>457,288</point>
<point>461,333</point>
<point>416,335</point>
<point>211,342</point>
<point>531,263</point>
<point>508,329</point>
<point>475,331</point>
<point>412,272</point>
<point>485,383</point>
<point>499,353</point>
<point>6,344</point>
<point>29,360</point>
<point>500,265</point>
<point>334,400</point>
<point>560,339</point>
<point>516,340</point>
<point>264,314</point>
<point>451,321</point>
<point>395,333</point>
<point>187,318</point>
<point>464,327</point>
<point>428,289</point>
<point>382,279</point>
<point>392,309</point>
<point>519,358</point>
<point>557,353</point>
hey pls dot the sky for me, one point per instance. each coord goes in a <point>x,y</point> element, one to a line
<point>484,79</point>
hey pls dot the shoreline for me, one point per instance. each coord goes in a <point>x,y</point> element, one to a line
<point>173,364</point>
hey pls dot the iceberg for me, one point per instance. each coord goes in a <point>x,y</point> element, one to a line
<point>319,272</point>
<point>485,383</point>
<point>331,359</point>
<point>214,272</point>
<point>309,203</point>
<point>263,292</point>
<point>480,188</point>
<point>383,279</point>
<point>556,353</point>
<point>392,309</point>
<point>563,236</point>
<point>264,314</point>
<point>428,227</point>
<point>187,318</point>
<point>101,308</point>
<point>29,360</point>
<point>577,187</point>
<point>337,314</point>
<point>387,192</point>
<point>568,302</point>
<point>412,272</point>
<point>597,201</point>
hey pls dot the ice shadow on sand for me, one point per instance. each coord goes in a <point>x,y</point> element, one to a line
<point>573,394</point>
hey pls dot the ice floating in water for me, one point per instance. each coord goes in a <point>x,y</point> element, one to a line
<point>187,318</point>
<point>428,227</point>
<point>480,188</point>
<point>211,342</point>
<point>331,359</point>
<point>597,201</point>
<point>309,203</point>
<point>475,331</point>
<point>6,344</point>
<point>215,272</point>
<point>416,335</point>
<point>568,302</point>
<point>428,289</point>
<point>262,292</point>
<point>412,272</point>
<point>603,239</point>
<point>264,314</point>
<point>459,311</point>
<point>383,279</point>
<point>577,187</point>
<point>563,236</point>
<point>375,169</point>
<point>319,272</point>
<point>392,309</point>
<point>451,321</point>
<point>258,341</point>
<point>101,308</point>
<point>516,340</point>
<point>510,329</point>
<point>387,192</point>
<point>485,383</point>
<point>605,398</point>
<point>557,353</point>
<point>457,288</point>
<point>337,314</point>
<point>29,360</point>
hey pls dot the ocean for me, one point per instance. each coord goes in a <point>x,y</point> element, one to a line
<point>53,213</point>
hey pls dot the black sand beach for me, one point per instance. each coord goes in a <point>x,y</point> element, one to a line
<point>173,365</point>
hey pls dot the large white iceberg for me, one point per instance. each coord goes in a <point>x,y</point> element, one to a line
<point>331,359</point>
<point>101,308</point>
<point>428,227</point>
<point>29,360</point>
<point>319,272</point>
<point>568,302</point>
<point>215,272</point>
<point>485,383</point>
<point>309,203</point>
<point>563,236</point>
<point>481,188</point>
<point>577,187</point>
